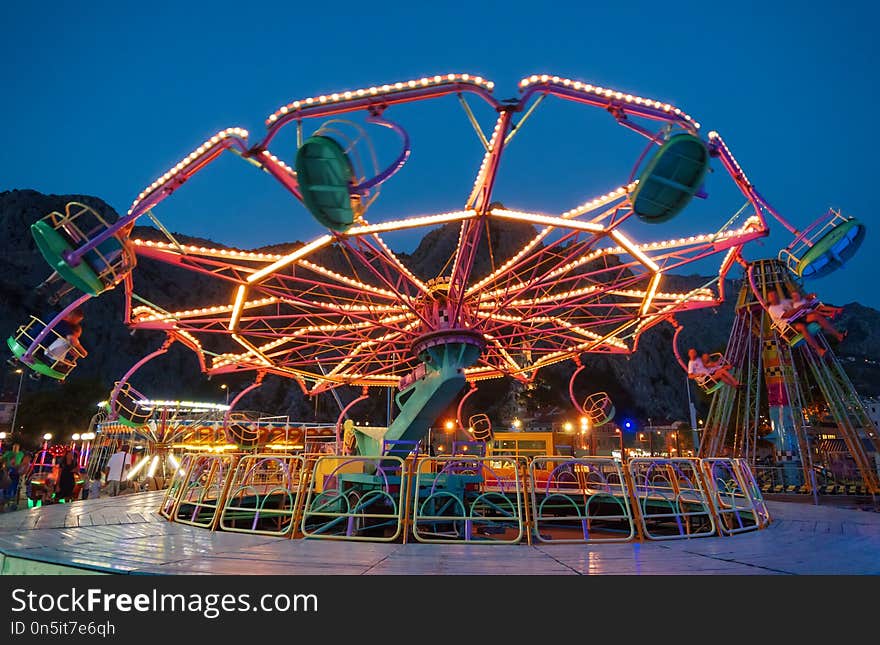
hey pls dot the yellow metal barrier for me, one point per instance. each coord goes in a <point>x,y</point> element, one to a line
<point>468,499</point>
<point>496,499</point>
<point>735,495</point>
<point>263,495</point>
<point>355,498</point>
<point>176,487</point>
<point>202,495</point>
<point>671,499</point>
<point>580,500</point>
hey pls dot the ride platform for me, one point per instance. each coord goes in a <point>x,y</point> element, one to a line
<point>125,535</point>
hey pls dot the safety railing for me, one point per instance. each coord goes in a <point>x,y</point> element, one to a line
<point>468,499</point>
<point>582,500</point>
<point>355,498</point>
<point>264,495</point>
<point>735,495</point>
<point>176,486</point>
<point>671,498</point>
<point>201,497</point>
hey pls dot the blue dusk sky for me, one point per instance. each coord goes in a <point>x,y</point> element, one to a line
<point>102,97</point>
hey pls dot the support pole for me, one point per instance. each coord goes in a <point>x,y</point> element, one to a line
<point>574,401</point>
<point>253,386</point>
<point>28,356</point>
<point>344,414</point>
<point>134,368</point>
<point>461,406</point>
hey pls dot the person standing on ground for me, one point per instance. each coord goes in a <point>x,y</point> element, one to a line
<point>67,477</point>
<point>115,470</point>
<point>13,459</point>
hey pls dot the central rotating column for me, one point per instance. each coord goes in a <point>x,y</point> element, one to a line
<point>444,352</point>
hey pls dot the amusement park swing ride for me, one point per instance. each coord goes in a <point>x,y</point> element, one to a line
<point>345,310</point>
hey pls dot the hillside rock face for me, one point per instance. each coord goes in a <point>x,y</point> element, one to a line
<point>647,384</point>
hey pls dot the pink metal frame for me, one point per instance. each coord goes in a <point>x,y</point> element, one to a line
<point>580,286</point>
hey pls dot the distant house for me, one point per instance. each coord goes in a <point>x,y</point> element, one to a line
<point>872,406</point>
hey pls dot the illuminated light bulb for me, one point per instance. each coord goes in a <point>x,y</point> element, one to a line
<point>137,468</point>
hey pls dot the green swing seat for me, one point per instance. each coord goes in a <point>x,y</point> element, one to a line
<point>798,338</point>
<point>326,176</point>
<point>85,276</point>
<point>19,350</point>
<point>671,178</point>
<point>128,412</point>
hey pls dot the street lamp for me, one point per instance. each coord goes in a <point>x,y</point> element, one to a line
<point>225,387</point>
<point>449,425</point>
<point>20,372</point>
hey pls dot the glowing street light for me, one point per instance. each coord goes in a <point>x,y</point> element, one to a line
<point>20,373</point>
<point>47,436</point>
<point>75,436</point>
<point>449,425</point>
<point>517,424</point>
<point>567,426</point>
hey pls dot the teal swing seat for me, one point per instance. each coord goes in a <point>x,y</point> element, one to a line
<point>326,177</point>
<point>671,178</point>
<point>825,250</point>
<point>99,269</point>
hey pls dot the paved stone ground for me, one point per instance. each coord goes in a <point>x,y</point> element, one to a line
<point>125,535</point>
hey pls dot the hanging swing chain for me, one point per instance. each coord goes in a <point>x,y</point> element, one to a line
<point>473,120</point>
<point>165,231</point>
<point>730,221</point>
<point>516,127</point>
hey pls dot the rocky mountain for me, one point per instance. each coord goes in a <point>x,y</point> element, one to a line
<point>647,384</point>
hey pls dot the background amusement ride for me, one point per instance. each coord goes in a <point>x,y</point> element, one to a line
<point>345,310</point>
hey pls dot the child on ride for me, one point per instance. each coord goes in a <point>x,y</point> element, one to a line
<point>69,331</point>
